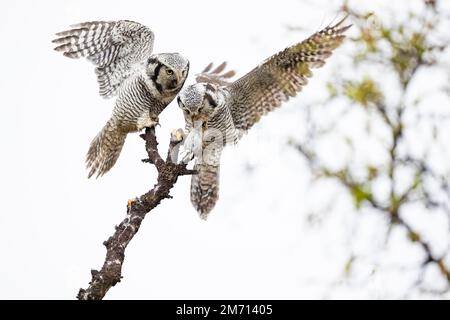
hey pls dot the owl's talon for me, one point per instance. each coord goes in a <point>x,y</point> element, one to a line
<point>155,120</point>
<point>147,122</point>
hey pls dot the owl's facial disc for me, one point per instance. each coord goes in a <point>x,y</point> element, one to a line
<point>170,70</point>
<point>198,102</point>
<point>176,77</point>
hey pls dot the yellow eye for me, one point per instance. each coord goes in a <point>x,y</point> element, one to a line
<point>169,72</point>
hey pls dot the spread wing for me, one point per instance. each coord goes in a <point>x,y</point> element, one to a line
<point>281,76</point>
<point>216,76</point>
<point>115,47</point>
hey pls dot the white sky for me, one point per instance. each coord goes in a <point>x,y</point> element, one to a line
<point>53,220</point>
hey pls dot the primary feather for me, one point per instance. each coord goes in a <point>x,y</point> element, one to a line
<point>116,48</point>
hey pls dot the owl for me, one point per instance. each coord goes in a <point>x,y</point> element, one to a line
<point>143,83</point>
<point>218,112</point>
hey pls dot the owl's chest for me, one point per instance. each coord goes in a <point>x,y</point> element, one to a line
<point>222,126</point>
<point>136,107</point>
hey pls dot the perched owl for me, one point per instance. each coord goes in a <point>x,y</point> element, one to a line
<point>143,83</point>
<point>217,112</point>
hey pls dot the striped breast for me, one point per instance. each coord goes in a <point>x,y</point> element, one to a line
<point>223,121</point>
<point>134,100</point>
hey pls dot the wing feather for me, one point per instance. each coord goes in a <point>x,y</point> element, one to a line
<point>116,48</point>
<point>281,76</point>
<point>217,76</point>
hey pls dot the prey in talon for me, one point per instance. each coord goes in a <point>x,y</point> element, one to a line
<point>192,146</point>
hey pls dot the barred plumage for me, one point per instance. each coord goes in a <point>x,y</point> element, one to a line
<point>143,83</point>
<point>205,188</point>
<point>116,48</point>
<point>215,107</point>
<point>105,148</point>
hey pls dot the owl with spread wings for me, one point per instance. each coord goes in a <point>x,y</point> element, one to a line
<point>218,112</point>
<point>144,83</point>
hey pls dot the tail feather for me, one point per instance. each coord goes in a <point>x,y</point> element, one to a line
<point>205,188</point>
<point>105,149</point>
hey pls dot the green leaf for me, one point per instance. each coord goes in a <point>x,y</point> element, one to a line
<point>363,92</point>
<point>413,236</point>
<point>360,194</point>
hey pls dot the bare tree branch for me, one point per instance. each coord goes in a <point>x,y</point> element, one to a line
<point>168,173</point>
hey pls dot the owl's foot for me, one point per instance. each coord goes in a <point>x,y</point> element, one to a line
<point>147,122</point>
<point>156,122</point>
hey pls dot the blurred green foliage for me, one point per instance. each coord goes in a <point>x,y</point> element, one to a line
<point>363,92</point>
<point>399,49</point>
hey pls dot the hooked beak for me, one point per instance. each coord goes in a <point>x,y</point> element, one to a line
<point>199,121</point>
<point>198,118</point>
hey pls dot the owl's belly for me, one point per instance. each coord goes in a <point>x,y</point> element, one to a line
<point>225,133</point>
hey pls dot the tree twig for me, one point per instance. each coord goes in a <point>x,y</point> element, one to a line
<point>137,209</point>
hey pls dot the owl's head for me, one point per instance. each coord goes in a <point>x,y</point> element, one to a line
<point>167,72</point>
<point>200,101</point>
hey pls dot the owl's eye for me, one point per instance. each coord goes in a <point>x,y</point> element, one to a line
<point>210,100</point>
<point>169,72</point>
